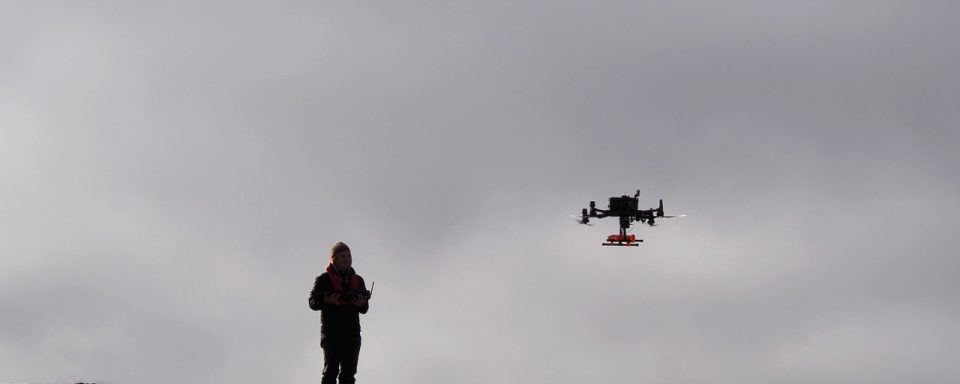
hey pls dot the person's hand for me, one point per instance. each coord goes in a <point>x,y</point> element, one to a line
<point>359,300</point>
<point>331,298</point>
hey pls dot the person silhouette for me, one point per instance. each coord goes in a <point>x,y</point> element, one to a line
<point>341,296</point>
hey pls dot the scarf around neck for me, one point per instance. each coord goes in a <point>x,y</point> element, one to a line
<point>336,281</point>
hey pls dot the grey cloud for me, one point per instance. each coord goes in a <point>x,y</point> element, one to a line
<point>172,176</point>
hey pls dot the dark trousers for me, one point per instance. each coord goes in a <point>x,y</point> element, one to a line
<point>340,354</point>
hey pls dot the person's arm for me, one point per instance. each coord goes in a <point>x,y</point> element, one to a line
<point>316,296</point>
<point>362,304</point>
<point>322,295</point>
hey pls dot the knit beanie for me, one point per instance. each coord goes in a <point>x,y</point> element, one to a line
<point>338,247</point>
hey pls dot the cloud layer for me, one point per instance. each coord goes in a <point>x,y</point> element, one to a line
<point>171,177</point>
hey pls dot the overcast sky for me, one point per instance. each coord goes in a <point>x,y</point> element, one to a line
<point>173,175</point>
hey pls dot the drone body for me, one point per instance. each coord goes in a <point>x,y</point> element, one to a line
<point>626,208</point>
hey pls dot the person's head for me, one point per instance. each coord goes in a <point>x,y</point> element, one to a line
<point>340,256</point>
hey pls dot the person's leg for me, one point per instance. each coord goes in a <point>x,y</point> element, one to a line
<point>351,354</point>
<point>331,360</point>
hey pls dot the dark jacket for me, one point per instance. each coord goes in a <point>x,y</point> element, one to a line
<point>342,319</point>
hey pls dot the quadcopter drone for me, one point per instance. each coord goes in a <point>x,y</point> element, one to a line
<point>624,207</point>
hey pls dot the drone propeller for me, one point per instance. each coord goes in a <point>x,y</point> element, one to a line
<point>584,220</point>
<point>652,223</point>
